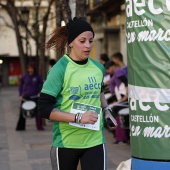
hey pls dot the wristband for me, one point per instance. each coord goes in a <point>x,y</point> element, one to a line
<point>75,118</point>
<point>78,117</point>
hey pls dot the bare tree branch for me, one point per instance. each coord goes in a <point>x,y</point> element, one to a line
<point>43,39</point>
<point>10,8</point>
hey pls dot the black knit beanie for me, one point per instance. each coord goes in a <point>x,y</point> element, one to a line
<point>77,26</point>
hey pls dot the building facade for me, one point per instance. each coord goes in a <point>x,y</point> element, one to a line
<point>106,16</point>
<point>108,20</point>
<point>10,67</point>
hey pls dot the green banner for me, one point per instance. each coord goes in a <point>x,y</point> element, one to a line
<point>148,36</point>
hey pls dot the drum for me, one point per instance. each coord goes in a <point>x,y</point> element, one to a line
<point>124,118</point>
<point>28,109</point>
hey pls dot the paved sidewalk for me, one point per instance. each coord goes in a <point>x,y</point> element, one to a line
<point>30,149</point>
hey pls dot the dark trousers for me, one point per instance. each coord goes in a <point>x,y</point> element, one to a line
<point>21,125</point>
<point>93,158</point>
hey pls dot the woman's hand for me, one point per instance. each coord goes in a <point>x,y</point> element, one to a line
<point>89,117</point>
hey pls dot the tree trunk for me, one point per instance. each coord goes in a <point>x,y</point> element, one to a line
<point>81,8</point>
<point>58,21</point>
<point>63,12</point>
<point>66,11</point>
<point>15,17</point>
<point>43,41</point>
<point>58,13</point>
<point>11,10</point>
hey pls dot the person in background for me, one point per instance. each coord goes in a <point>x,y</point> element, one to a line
<point>72,98</point>
<point>103,58</point>
<point>110,68</point>
<point>29,89</point>
<point>117,58</point>
<point>51,62</point>
<point>120,76</point>
<point>119,87</point>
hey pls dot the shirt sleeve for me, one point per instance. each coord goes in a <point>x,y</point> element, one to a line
<point>54,82</point>
<point>46,103</point>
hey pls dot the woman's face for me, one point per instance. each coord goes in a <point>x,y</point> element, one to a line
<point>81,46</point>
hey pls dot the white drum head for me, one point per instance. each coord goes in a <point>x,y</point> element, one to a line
<point>29,105</point>
<point>124,111</point>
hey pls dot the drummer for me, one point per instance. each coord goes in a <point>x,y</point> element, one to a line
<point>110,69</point>
<point>29,88</point>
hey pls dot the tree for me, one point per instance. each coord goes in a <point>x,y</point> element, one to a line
<point>58,13</point>
<point>12,11</point>
<point>81,8</point>
<point>66,11</point>
<point>15,15</point>
<point>43,39</point>
<point>63,12</point>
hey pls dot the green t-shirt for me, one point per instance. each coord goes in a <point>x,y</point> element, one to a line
<point>69,82</point>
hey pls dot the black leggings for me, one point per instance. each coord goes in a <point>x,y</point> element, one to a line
<point>93,158</point>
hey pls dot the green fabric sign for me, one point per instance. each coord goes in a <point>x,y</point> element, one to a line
<point>148,36</point>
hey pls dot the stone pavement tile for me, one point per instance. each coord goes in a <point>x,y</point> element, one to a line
<point>3,142</point>
<point>30,149</point>
<point>110,165</point>
<point>115,153</point>
<point>20,165</point>
<point>41,166</point>
<point>4,166</point>
<point>4,160</point>
<point>34,154</point>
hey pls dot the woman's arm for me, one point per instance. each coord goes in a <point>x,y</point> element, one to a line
<point>46,108</point>
<point>61,116</point>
